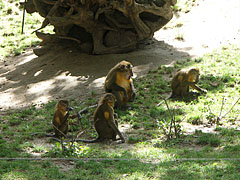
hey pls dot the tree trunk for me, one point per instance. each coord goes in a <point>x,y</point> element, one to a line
<point>101,26</point>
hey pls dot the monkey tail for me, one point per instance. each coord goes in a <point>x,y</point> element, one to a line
<point>43,133</point>
<point>89,141</point>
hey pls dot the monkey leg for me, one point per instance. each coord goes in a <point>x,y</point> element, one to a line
<point>133,96</point>
<point>119,99</point>
<point>198,88</point>
<point>104,130</point>
<point>114,133</point>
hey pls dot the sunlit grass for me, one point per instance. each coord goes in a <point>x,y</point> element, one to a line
<point>147,153</point>
<point>12,40</point>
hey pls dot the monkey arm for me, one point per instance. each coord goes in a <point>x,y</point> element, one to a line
<point>133,90</point>
<point>115,87</point>
<point>112,124</point>
<point>198,88</point>
<point>65,118</point>
<point>187,83</point>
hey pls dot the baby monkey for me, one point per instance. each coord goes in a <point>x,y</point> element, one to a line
<point>60,118</point>
<point>184,79</point>
<point>59,121</point>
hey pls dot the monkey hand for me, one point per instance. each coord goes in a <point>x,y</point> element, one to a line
<point>70,108</point>
<point>115,115</point>
<point>125,96</point>
<point>204,91</point>
<point>122,141</point>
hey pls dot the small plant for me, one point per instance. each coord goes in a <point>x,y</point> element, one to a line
<point>133,139</point>
<point>216,118</point>
<point>179,37</point>
<point>171,128</point>
<point>208,139</point>
<point>70,149</point>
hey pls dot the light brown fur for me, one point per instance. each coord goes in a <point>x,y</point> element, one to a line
<point>60,123</point>
<point>184,79</point>
<point>104,122</point>
<point>119,82</point>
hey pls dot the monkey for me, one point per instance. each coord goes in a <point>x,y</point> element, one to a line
<point>104,122</point>
<point>60,122</point>
<point>119,82</point>
<point>184,79</point>
<point>181,82</point>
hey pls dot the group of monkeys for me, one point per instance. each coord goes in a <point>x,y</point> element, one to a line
<point>119,90</point>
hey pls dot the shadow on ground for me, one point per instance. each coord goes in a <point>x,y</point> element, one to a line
<point>64,72</point>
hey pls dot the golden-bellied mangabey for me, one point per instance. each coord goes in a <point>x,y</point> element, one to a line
<point>184,79</point>
<point>60,118</point>
<point>104,122</point>
<point>119,82</point>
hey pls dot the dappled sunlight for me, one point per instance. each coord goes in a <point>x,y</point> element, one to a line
<point>39,88</point>
<point>203,32</point>
<point>15,174</point>
<point>150,153</point>
<point>68,74</point>
<point>42,90</point>
<point>99,82</point>
<point>37,73</point>
<point>8,99</point>
<point>26,59</point>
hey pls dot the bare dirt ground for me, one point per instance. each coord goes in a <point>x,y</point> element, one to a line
<point>66,73</point>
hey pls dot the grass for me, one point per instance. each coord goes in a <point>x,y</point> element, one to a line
<point>147,153</point>
<point>12,41</point>
<point>184,5</point>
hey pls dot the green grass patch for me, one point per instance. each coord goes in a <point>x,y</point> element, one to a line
<point>12,41</point>
<point>148,154</point>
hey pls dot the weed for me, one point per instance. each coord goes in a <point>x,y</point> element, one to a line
<point>208,139</point>
<point>179,37</point>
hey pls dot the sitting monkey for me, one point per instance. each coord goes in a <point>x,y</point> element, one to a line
<point>184,79</point>
<point>119,83</point>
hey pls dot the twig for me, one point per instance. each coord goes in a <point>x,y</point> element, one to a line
<point>85,110</point>
<point>60,131</point>
<point>171,115</point>
<point>79,134</point>
<point>231,108</point>
<point>219,116</point>
<point>172,118</point>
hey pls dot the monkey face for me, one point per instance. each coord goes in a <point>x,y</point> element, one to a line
<point>126,68</point>
<point>63,104</point>
<point>193,75</point>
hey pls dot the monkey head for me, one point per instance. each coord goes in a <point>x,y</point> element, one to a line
<point>193,75</point>
<point>109,99</point>
<point>62,105</point>
<point>126,68</point>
